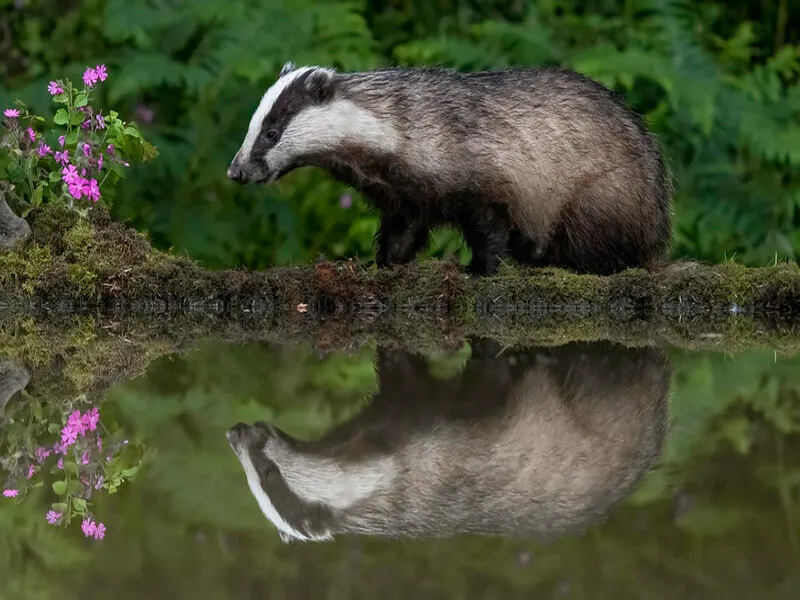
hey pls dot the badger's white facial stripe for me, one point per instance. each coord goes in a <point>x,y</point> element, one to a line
<point>329,482</point>
<point>266,104</point>
<point>323,128</point>
<point>285,530</point>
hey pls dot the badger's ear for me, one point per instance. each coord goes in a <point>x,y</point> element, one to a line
<point>287,68</point>
<point>319,84</point>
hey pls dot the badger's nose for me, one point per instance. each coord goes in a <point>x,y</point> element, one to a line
<point>235,172</point>
<point>235,433</point>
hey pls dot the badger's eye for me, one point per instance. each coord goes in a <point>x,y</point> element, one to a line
<point>272,135</point>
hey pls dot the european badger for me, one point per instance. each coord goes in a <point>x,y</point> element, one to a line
<point>544,164</point>
<point>540,443</point>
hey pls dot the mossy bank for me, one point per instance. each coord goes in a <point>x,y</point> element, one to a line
<point>94,267</point>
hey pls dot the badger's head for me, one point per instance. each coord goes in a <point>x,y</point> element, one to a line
<point>284,126</point>
<point>301,118</point>
<point>261,448</point>
<point>306,495</point>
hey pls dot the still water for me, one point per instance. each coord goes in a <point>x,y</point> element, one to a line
<point>589,470</point>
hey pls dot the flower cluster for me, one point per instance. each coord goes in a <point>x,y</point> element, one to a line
<point>82,163</point>
<point>85,463</point>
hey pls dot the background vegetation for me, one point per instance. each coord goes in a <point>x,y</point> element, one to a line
<point>718,82</point>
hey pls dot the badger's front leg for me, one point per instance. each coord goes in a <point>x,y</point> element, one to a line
<point>486,232</point>
<point>399,239</point>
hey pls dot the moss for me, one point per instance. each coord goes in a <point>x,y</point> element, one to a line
<point>69,265</point>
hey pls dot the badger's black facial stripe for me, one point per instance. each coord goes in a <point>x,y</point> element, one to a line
<point>309,89</point>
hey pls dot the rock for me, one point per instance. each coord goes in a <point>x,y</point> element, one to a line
<point>13,229</point>
<point>13,378</point>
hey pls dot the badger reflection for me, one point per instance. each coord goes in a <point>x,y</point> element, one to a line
<point>534,442</point>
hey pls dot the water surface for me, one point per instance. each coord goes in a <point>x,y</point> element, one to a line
<point>588,470</point>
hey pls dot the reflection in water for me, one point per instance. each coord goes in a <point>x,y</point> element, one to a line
<point>534,442</point>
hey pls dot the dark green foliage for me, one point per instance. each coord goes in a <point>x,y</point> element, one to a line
<point>717,81</point>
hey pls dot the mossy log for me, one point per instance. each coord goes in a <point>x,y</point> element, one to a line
<point>130,299</point>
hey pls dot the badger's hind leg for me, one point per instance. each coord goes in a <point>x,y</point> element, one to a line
<point>486,232</point>
<point>399,239</point>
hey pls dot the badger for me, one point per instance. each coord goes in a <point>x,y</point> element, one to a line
<point>541,165</point>
<point>537,444</point>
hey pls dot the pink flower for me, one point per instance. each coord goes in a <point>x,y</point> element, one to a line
<point>86,124</point>
<point>88,527</point>
<point>31,134</point>
<point>68,435</point>
<point>110,149</point>
<point>85,458</point>
<point>68,175</point>
<point>11,113</point>
<point>101,121</point>
<point>31,469</point>
<point>53,517</point>
<point>76,188</point>
<point>99,483</point>
<point>145,113</point>
<point>90,77</point>
<point>99,162</point>
<point>101,72</point>
<point>54,88</point>
<point>100,531</point>
<point>41,454</point>
<point>60,463</point>
<point>346,201</point>
<point>62,157</point>
<point>10,493</point>
<point>92,191</point>
<point>99,444</point>
<point>61,139</point>
<point>43,149</point>
<point>57,448</point>
<point>92,418</point>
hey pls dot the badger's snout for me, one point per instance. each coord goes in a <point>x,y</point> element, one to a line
<point>244,433</point>
<point>237,433</point>
<point>236,172</point>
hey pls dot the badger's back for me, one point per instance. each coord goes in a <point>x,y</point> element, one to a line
<point>571,163</point>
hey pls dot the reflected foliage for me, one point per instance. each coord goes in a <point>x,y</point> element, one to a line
<point>718,517</point>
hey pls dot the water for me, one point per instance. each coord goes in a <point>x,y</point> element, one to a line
<point>555,451</point>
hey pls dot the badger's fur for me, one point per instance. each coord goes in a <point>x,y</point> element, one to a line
<point>543,164</point>
<point>538,443</point>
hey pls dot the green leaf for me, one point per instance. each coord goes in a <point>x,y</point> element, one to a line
<point>61,98</point>
<point>75,487</point>
<point>71,138</point>
<point>60,507</point>
<point>76,118</point>
<point>130,472</point>
<point>36,200</point>
<point>82,99</point>
<point>61,117</point>
<point>132,131</point>
<point>54,177</point>
<point>60,487</point>
<point>71,467</point>
<point>79,504</point>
